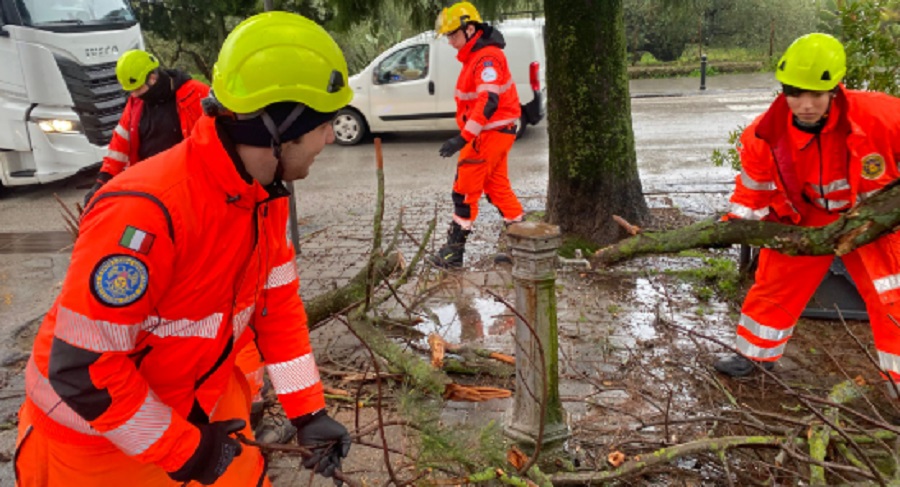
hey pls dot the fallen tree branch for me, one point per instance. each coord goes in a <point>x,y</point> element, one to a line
<point>325,305</point>
<point>667,455</point>
<point>865,223</point>
<point>296,450</point>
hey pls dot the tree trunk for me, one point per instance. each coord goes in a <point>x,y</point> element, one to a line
<point>593,167</point>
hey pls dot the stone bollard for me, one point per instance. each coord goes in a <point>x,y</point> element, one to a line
<point>533,247</point>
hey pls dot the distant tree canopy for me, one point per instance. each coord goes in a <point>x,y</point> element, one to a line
<point>870,30</point>
<point>187,34</point>
<point>665,28</point>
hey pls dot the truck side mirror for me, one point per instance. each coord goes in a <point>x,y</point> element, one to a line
<point>3,31</point>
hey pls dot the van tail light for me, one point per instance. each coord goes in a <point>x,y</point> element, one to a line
<point>533,74</point>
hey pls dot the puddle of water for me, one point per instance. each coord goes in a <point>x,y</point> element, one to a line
<point>469,321</point>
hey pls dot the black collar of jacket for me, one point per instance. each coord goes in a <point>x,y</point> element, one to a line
<point>275,189</point>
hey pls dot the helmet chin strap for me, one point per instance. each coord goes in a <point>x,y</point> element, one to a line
<point>276,132</point>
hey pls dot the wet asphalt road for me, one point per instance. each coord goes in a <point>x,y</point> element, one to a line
<point>675,136</point>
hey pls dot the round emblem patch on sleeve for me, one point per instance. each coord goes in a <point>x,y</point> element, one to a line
<point>119,280</point>
<point>489,75</point>
<point>873,166</point>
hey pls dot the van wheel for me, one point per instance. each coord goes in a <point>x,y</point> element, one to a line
<point>349,127</point>
<point>520,130</point>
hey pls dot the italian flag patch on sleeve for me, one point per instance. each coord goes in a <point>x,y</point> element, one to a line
<point>137,240</point>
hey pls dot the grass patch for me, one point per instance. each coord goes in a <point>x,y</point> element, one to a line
<point>570,244</point>
<point>718,276</point>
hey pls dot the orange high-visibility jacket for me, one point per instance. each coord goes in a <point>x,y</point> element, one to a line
<point>486,96</point>
<point>176,258</point>
<point>792,176</point>
<point>123,148</point>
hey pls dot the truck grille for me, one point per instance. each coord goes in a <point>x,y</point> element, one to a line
<point>98,97</point>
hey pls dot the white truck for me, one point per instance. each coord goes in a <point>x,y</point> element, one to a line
<point>410,86</point>
<point>59,96</point>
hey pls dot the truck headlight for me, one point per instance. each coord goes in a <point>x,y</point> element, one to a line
<point>56,126</point>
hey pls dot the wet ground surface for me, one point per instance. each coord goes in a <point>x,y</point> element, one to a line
<point>629,366</point>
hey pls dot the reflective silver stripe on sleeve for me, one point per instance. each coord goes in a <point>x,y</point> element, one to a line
<point>241,319</point>
<point>493,88</point>
<point>839,185</point>
<point>473,127</point>
<point>752,351</point>
<point>122,132</point>
<point>205,328</point>
<point>282,275</point>
<point>889,362</point>
<point>748,213</point>
<point>94,335</point>
<point>41,393</point>
<point>755,185</point>
<point>763,331</point>
<point>144,429</point>
<point>886,284</point>
<point>117,156</point>
<point>294,375</point>
<point>490,88</point>
<point>500,123</point>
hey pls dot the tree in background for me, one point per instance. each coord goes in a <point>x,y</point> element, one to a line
<point>661,28</point>
<point>870,31</point>
<point>665,27</point>
<point>593,166</point>
<point>187,34</point>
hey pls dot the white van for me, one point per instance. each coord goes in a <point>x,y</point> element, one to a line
<point>410,86</point>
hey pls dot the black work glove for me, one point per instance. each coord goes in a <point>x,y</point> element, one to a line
<point>326,438</point>
<point>452,146</point>
<point>102,178</point>
<point>214,454</point>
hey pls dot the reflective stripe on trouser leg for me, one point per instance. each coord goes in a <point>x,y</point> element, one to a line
<point>884,331</point>
<point>783,286</point>
<point>462,211</point>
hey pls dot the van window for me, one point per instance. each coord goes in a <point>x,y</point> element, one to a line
<point>406,64</point>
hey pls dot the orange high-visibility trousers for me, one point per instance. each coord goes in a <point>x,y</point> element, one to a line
<point>482,169</point>
<point>44,461</point>
<point>785,284</point>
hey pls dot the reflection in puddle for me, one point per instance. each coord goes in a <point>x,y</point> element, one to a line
<point>468,321</point>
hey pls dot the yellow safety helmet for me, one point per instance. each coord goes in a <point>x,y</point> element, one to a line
<point>814,62</point>
<point>133,67</point>
<point>454,17</point>
<point>280,57</point>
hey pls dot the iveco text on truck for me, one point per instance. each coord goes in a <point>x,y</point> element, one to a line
<point>59,97</point>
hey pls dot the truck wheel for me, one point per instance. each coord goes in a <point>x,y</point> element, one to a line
<point>520,130</point>
<point>349,127</point>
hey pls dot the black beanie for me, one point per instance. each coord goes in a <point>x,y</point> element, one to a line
<point>253,131</point>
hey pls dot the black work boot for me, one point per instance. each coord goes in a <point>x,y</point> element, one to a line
<point>450,256</point>
<point>739,366</point>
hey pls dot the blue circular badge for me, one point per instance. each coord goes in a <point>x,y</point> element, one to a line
<point>119,280</point>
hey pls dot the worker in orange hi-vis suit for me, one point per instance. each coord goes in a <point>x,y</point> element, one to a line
<point>487,110</point>
<point>163,106</point>
<point>818,151</point>
<point>132,378</point>
<point>162,109</point>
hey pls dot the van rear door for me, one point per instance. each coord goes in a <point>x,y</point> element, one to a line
<point>401,95</point>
